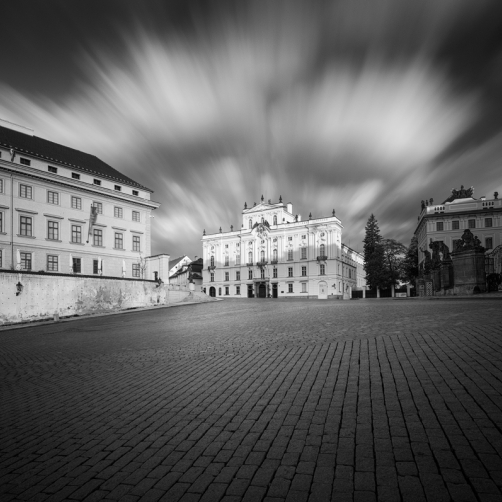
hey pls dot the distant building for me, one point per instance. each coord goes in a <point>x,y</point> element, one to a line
<point>188,273</point>
<point>47,191</point>
<point>276,254</point>
<point>447,221</point>
<point>177,264</point>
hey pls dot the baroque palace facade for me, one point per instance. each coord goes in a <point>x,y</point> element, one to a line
<point>66,211</point>
<point>274,254</point>
<point>447,221</point>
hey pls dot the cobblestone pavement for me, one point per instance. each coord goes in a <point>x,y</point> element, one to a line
<point>257,400</point>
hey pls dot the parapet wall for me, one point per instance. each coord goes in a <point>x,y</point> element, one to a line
<point>43,295</point>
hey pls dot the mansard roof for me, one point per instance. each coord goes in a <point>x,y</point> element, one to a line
<point>80,161</point>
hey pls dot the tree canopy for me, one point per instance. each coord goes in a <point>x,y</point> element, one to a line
<point>410,264</point>
<point>394,255</point>
<point>373,254</point>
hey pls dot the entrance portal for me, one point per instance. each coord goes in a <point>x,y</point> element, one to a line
<point>212,291</point>
<point>274,290</point>
<point>323,291</point>
<point>262,290</point>
<point>250,291</point>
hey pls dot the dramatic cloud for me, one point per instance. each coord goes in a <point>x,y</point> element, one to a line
<point>347,105</point>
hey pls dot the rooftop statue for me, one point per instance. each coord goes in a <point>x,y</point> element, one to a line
<point>463,193</point>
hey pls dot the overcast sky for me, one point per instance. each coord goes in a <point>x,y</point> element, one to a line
<point>358,106</point>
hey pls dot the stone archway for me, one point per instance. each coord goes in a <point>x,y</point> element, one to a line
<point>212,291</point>
<point>323,291</point>
<point>262,290</point>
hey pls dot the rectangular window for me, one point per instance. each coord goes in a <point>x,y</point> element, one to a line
<point>227,276</point>
<point>304,287</point>
<point>304,253</point>
<point>119,240</point>
<point>25,261</point>
<point>1,222</point>
<point>454,244</point>
<point>489,242</point>
<point>237,275</point>
<point>98,206</point>
<point>226,261</point>
<point>212,276</point>
<point>488,222</point>
<point>304,271</point>
<point>472,223</point>
<point>52,197</point>
<point>274,272</point>
<point>95,266</point>
<point>1,258</point>
<point>237,290</point>
<point>290,254</point>
<point>25,162</point>
<point>455,225</point>
<point>52,263</point>
<point>75,176</point>
<point>97,182</point>
<point>118,188</point>
<point>135,270</point>
<point>25,191</point>
<point>117,212</point>
<point>262,273</point>
<point>77,265</point>
<point>135,216</point>
<point>250,274</point>
<point>136,243</point>
<point>135,192</point>
<point>26,226</point>
<point>1,186</point>
<point>52,169</point>
<point>290,288</point>
<point>290,238</point>
<point>76,202</point>
<point>76,234</point>
<point>97,237</point>
<point>439,226</point>
<point>227,290</point>
<point>238,259</point>
<point>290,271</point>
<point>53,230</point>
<point>322,269</point>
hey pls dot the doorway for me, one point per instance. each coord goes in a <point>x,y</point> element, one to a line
<point>323,291</point>
<point>262,290</point>
<point>212,291</point>
<point>274,291</point>
<point>250,291</point>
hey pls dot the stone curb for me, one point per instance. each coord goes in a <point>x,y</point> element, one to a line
<point>31,324</point>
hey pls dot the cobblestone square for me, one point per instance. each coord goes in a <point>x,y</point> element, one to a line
<point>257,400</point>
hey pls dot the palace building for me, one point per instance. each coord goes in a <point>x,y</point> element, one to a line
<point>447,221</point>
<point>275,254</point>
<point>66,211</point>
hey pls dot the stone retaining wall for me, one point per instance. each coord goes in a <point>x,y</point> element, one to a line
<point>42,296</point>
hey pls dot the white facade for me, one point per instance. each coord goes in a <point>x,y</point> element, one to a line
<point>446,222</point>
<point>45,207</point>
<point>275,254</point>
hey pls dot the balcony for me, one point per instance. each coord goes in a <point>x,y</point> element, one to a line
<point>261,263</point>
<point>274,262</point>
<point>211,267</point>
<point>249,263</point>
<point>323,257</point>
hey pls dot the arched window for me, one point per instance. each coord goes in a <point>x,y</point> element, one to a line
<point>250,256</point>
<point>321,249</point>
<point>250,223</point>
<point>212,261</point>
<point>275,219</point>
<point>262,256</point>
<point>275,254</point>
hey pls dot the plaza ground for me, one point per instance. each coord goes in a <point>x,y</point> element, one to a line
<point>257,400</point>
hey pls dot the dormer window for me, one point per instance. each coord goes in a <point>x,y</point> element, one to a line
<point>75,176</point>
<point>135,192</point>
<point>25,162</point>
<point>117,188</point>
<point>52,169</point>
<point>97,182</point>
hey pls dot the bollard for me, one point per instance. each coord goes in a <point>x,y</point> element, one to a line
<point>56,317</point>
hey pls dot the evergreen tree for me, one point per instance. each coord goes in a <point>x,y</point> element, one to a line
<point>373,254</point>
<point>410,264</point>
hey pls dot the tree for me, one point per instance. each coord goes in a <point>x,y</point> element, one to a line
<point>410,264</point>
<point>373,254</point>
<point>394,254</point>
